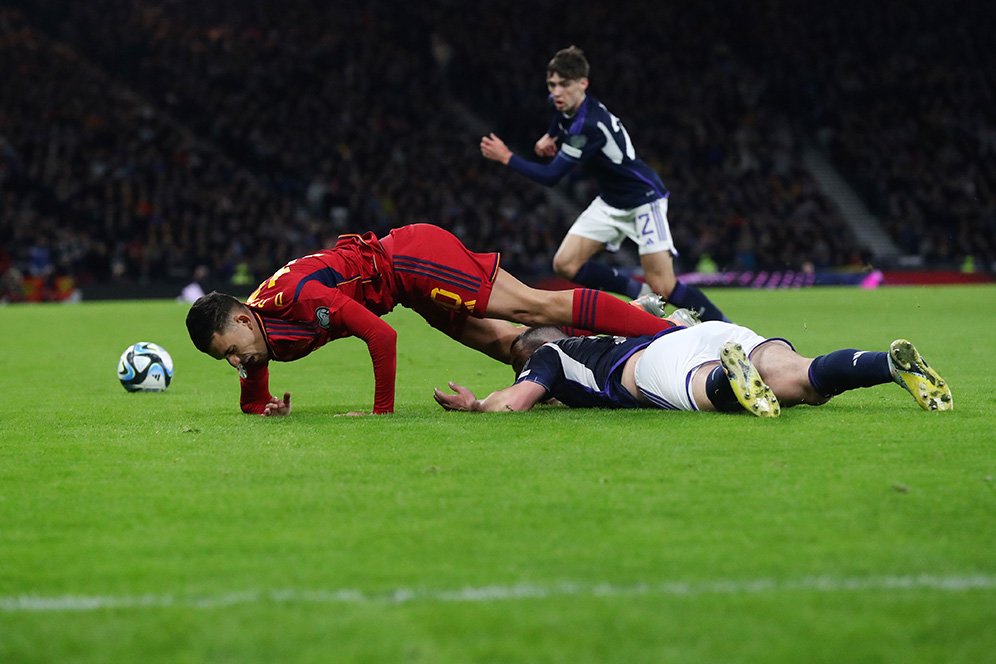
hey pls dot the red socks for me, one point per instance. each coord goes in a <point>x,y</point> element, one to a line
<point>605,314</point>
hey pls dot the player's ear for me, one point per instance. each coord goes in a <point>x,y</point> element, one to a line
<point>583,82</point>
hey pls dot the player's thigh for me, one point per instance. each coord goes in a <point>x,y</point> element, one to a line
<point>575,251</point>
<point>603,224</point>
<point>658,270</point>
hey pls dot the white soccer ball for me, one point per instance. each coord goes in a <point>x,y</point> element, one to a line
<point>145,367</point>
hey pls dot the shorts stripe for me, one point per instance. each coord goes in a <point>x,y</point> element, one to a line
<point>688,388</point>
<point>655,208</point>
<point>446,270</point>
<point>435,277</point>
<point>442,271</point>
<point>660,402</point>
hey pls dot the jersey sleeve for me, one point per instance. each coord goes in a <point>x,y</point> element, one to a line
<point>315,301</point>
<point>543,368</point>
<point>545,174</point>
<point>381,339</point>
<point>255,390</point>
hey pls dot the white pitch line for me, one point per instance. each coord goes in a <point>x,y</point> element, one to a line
<point>497,593</point>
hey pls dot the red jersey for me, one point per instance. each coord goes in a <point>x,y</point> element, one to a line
<point>320,297</point>
<point>343,291</point>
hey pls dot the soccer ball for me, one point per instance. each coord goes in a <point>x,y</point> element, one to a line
<point>145,367</point>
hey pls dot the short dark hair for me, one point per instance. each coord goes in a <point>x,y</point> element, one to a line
<point>209,315</point>
<point>570,63</point>
<point>524,345</point>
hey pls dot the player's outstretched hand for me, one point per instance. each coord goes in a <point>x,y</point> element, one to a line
<point>277,406</point>
<point>462,400</point>
<point>494,148</point>
<point>546,146</point>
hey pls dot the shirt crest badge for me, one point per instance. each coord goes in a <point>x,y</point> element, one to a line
<point>322,317</point>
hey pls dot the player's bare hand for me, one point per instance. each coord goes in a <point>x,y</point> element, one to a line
<point>462,400</point>
<point>278,407</point>
<point>546,146</point>
<point>494,148</point>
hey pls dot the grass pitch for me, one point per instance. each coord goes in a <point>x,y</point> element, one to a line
<point>172,528</point>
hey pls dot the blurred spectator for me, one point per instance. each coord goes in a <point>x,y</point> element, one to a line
<point>262,130</point>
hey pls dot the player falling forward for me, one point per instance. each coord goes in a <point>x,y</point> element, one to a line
<point>632,201</point>
<point>343,291</point>
<point>714,366</point>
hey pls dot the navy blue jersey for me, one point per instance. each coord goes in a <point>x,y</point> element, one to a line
<point>585,372</point>
<point>597,139</point>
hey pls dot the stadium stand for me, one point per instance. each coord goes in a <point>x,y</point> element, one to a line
<point>139,140</point>
<point>903,100</point>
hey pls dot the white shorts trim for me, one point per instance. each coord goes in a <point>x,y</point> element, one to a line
<point>664,371</point>
<point>646,225</point>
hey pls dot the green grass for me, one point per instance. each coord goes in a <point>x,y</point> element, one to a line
<point>838,533</point>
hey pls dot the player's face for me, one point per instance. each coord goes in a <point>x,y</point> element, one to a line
<point>240,344</point>
<point>567,93</point>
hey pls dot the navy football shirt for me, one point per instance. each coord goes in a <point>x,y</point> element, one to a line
<point>597,139</point>
<point>585,372</point>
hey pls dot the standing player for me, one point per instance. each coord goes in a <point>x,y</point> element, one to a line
<point>632,202</point>
<point>708,367</point>
<point>343,291</point>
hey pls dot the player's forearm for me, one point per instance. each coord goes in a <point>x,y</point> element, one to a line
<point>383,354</point>
<point>509,400</point>
<point>381,340</point>
<point>486,405</point>
<point>490,405</point>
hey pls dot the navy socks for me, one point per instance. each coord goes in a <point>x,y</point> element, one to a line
<point>848,369</point>
<point>690,297</point>
<point>602,277</point>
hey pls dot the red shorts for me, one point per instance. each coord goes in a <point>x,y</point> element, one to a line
<point>438,277</point>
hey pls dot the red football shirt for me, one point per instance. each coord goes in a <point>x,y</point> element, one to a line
<point>320,297</point>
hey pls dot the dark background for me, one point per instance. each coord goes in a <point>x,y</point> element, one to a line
<point>140,140</point>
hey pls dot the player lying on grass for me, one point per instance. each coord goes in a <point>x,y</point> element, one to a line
<point>713,366</point>
<point>343,291</point>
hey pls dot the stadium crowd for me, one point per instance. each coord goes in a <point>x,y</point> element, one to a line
<point>140,140</point>
<point>906,107</point>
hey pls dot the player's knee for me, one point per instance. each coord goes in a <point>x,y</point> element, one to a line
<point>564,266</point>
<point>661,284</point>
